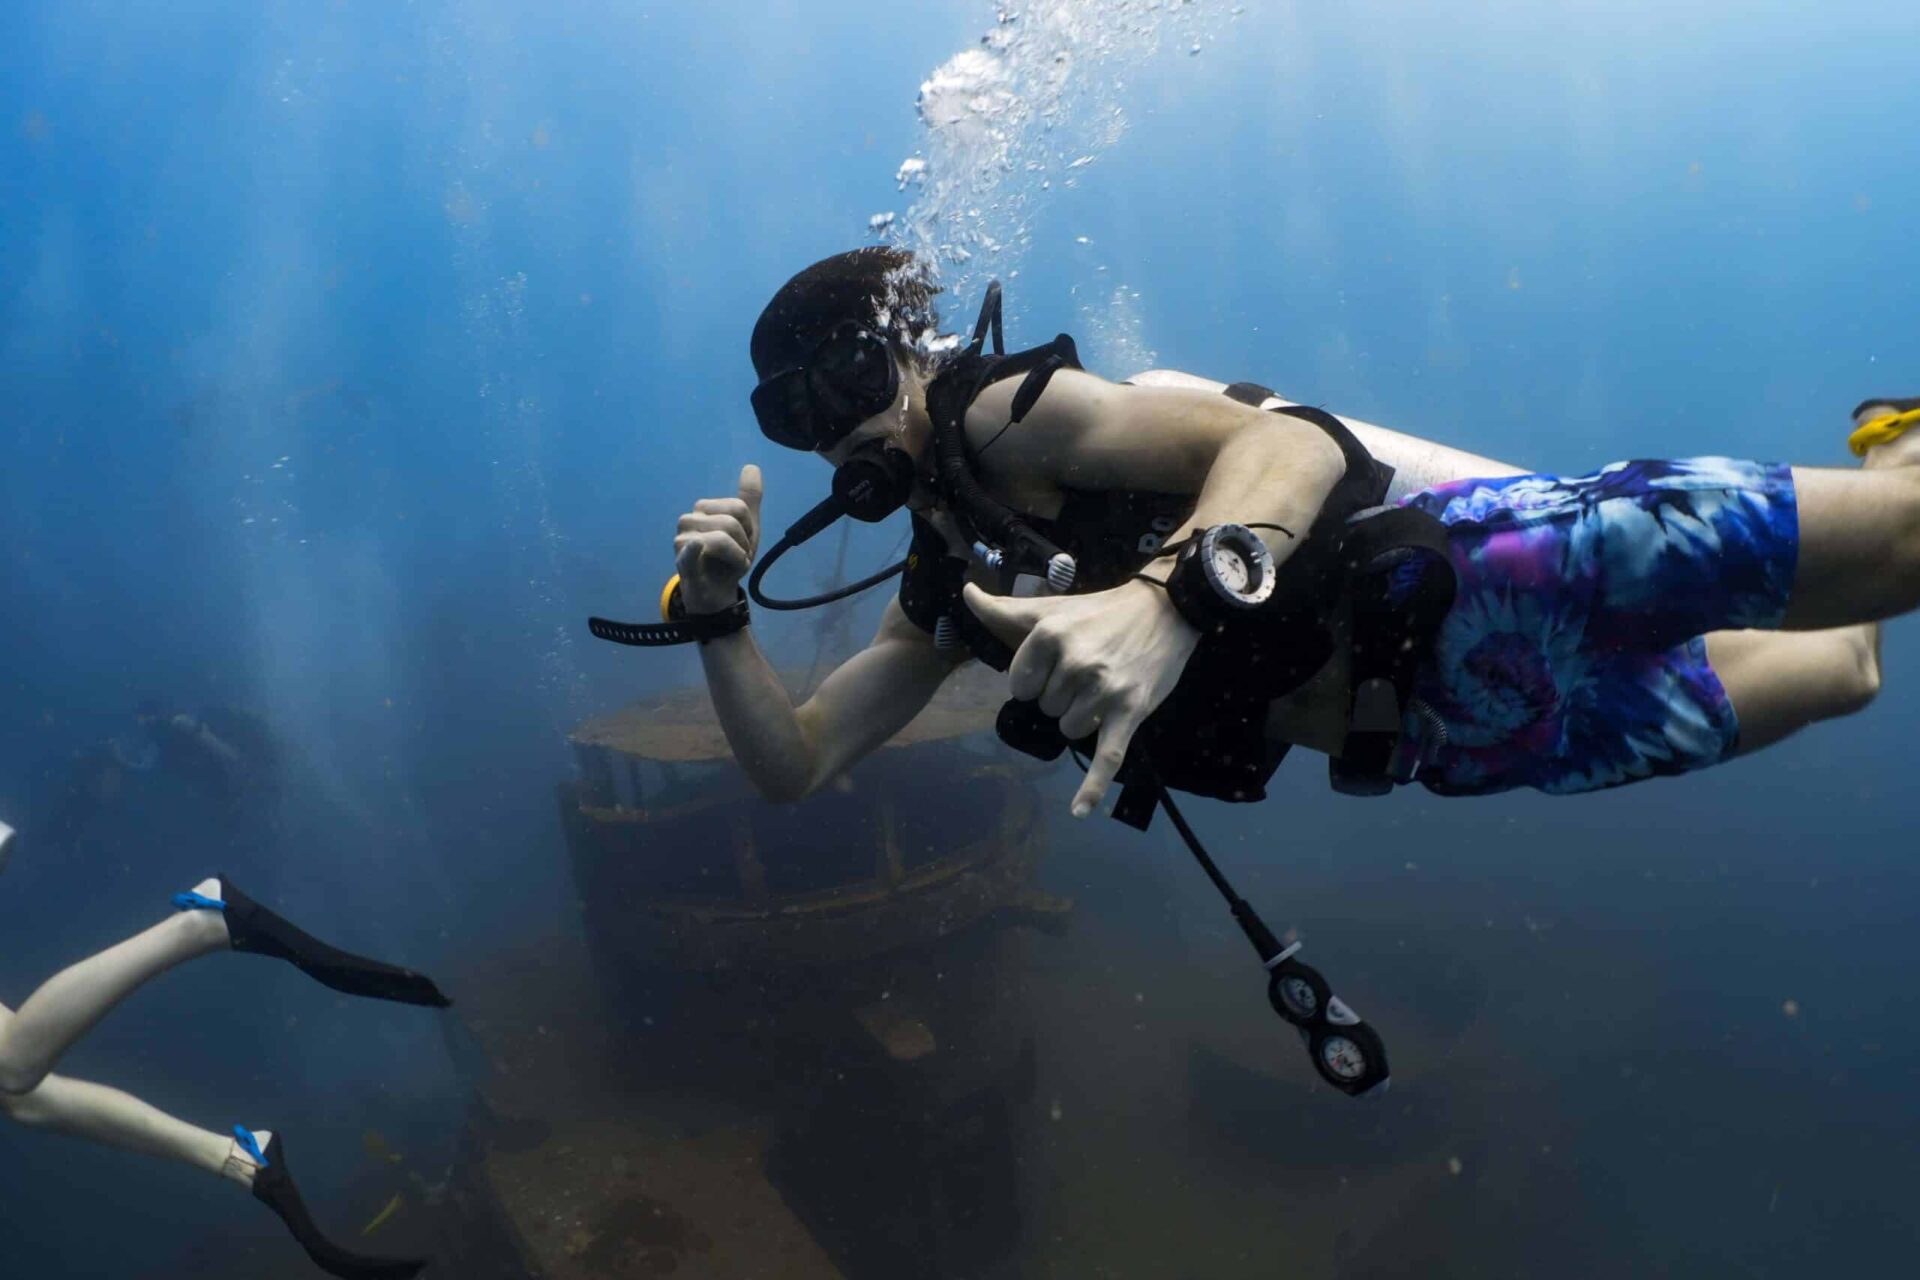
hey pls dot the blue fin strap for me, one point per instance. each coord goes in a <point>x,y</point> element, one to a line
<point>197,902</point>
<point>250,1144</point>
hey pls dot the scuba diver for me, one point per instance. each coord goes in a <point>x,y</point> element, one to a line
<point>1181,584</point>
<point>224,759</point>
<point>1603,629</point>
<point>213,916</point>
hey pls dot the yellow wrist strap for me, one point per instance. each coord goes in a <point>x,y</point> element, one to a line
<point>1881,430</point>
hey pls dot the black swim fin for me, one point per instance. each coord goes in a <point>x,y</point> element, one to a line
<point>273,1187</point>
<point>254,928</point>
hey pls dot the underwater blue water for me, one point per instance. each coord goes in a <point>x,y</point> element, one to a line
<point>352,353</point>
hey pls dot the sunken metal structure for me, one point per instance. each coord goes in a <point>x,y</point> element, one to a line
<point>785,1040</point>
<point>681,866</point>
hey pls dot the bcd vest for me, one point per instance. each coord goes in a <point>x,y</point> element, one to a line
<point>1378,578</point>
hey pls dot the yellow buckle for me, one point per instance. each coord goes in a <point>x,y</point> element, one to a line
<point>666,598</point>
<point>1880,431</point>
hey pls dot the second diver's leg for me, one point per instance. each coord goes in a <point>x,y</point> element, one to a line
<point>116,1119</point>
<point>73,1001</point>
<point>100,1114</point>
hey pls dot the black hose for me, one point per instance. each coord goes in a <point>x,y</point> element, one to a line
<point>996,522</point>
<point>787,544</point>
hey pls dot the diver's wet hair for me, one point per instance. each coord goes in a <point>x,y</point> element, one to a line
<point>877,285</point>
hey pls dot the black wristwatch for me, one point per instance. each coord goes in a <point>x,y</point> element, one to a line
<point>711,626</point>
<point>676,626</point>
<point>1221,576</point>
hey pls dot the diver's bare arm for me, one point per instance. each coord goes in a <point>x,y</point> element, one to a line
<point>789,752</point>
<point>1103,662</point>
<point>1417,464</point>
<point>1245,466</point>
<point>1257,477</point>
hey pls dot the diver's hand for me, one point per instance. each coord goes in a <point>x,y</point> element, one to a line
<point>1103,661</point>
<point>716,545</point>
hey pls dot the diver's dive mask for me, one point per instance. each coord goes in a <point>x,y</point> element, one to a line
<point>850,376</point>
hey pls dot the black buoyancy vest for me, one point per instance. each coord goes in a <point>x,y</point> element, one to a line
<point>931,583</point>
<point>1378,577</point>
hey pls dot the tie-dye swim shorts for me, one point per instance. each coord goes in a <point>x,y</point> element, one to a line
<point>1573,659</point>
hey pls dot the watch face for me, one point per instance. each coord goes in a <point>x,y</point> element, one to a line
<point>1231,568</point>
<point>1238,565</point>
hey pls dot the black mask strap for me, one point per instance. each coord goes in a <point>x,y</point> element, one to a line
<point>989,320</point>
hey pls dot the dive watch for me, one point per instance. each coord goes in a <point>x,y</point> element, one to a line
<point>676,625</point>
<point>1220,576</point>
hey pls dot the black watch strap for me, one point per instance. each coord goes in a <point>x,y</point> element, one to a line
<point>711,626</point>
<point>684,630</point>
<point>1187,589</point>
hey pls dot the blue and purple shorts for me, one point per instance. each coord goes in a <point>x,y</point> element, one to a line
<point>1573,659</point>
